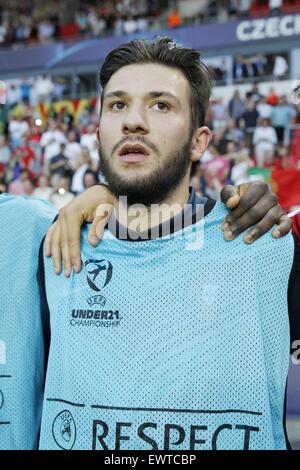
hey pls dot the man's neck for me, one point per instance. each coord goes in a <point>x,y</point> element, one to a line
<point>140,218</point>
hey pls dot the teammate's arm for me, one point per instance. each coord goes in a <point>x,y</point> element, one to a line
<point>63,238</point>
<point>251,204</point>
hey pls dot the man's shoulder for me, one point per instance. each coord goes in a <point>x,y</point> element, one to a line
<point>267,245</point>
<point>26,208</point>
<point>271,255</point>
<point>216,213</point>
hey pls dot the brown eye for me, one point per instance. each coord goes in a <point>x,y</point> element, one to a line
<point>117,105</point>
<point>162,106</point>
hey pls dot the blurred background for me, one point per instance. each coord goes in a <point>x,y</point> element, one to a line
<point>50,55</point>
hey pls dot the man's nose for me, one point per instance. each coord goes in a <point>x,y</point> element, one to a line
<point>135,121</point>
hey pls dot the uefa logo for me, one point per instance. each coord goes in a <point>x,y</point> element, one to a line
<point>2,92</point>
<point>64,430</point>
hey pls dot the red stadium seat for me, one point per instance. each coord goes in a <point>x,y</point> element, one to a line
<point>68,30</point>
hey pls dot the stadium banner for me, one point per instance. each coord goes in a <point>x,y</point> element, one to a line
<point>44,110</point>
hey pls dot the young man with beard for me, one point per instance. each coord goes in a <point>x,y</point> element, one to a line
<point>66,424</point>
<point>153,344</point>
<point>22,330</point>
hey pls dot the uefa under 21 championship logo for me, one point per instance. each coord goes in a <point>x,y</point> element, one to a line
<point>99,273</point>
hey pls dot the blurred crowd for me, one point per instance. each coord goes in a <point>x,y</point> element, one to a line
<point>50,20</point>
<point>250,132</point>
<point>33,90</point>
<point>31,22</point>
<point>57,158</point>
<point>260,65</point>
<point>48,89</point>
<point>54,160</point>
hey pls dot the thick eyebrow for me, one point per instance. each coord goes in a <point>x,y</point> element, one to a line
<point>160,94</point>
<point>151,94</point>
<point>117,94</point>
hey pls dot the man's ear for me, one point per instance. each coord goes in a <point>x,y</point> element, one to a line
<point>200,142</point>
<point>98,134</point>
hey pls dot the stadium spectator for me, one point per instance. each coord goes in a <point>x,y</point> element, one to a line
<point>73,149</point>
<point>61,195</point>
<point>216,173</point>
<point>275,7</point>
<point>212,9</point>
<point>28,186</point>
<point>130,25</point>
<point>90,178</point>
<point>66,118</point>
<point>13,95</point>
<point>43,191</point>
<point>249,118</point>
<point>51,140</point>
<point>264,139</point>
<point>250,68</point>
<point>272,97</point>
<point>17,128</point>
<point>142,24</point>
<point>89,138</point>
<point>23,155</point>
<point>244,6</point>
<point>260,62</point>
<point>16,187</point>
<point>242,163</point>
<point>25,89</point>
<point>239,68</point>
<point>53,132</point>
<point>58,166</point>
<point>5,151</point>
<point>43,88</point>
<point>119,26</point>
<point>34,32</point>
<point>231,134</point>
<point>83,165</point>
<point>174,19</point>
<point>59,88</point>
<point>219,113</point>
<point>280,67</point>
<point>98,24</point>
<point>281,117</point>
<point>254,94</point>
<point>264,108</point>
<point>45,30</point>
<point>236,106</point>
<point>82,21</point>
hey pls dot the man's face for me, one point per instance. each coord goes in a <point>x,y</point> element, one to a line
<point>145,132</point>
